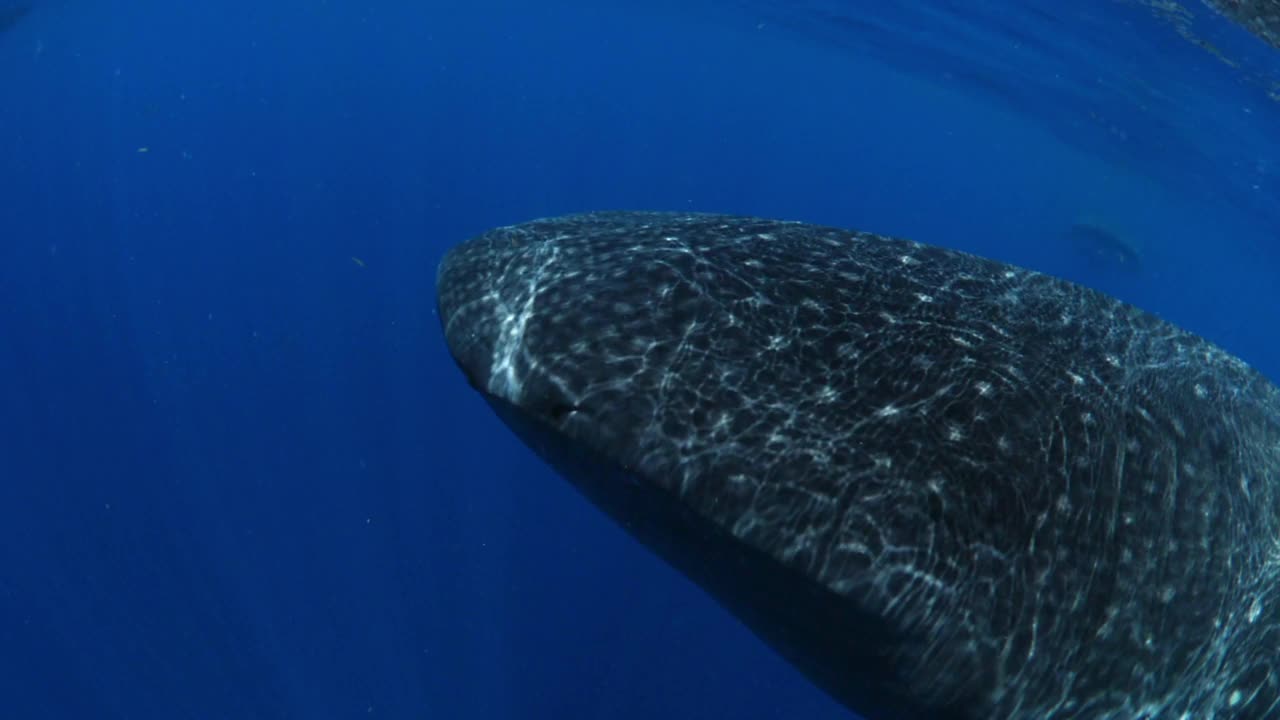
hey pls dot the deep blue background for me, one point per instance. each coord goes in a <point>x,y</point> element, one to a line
<point>240,477</point>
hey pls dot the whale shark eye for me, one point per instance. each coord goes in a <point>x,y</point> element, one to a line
<point>558,411</point>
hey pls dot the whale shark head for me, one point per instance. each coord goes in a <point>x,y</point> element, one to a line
<point>938,485</point>
<point>638,355</point>
<point>590,335</point>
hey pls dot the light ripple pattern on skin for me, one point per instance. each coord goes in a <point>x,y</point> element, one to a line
<point>943,487</point>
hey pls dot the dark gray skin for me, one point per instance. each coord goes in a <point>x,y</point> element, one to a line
<point>942,486</point>
<point>1260,17</point>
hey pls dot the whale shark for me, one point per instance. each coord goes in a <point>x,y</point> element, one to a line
<point>943,487</point>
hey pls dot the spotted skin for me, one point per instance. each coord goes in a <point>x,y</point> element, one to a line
<point>942,486</point>
<point>1260,17</point>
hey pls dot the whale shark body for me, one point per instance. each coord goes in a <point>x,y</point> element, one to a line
<point>942,486</point>
<point>1260,17</point>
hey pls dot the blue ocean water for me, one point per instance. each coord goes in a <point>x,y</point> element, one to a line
<point>240,476</point>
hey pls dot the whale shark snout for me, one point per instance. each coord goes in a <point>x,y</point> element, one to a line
<point>468,308</point>
<point>495,296</point>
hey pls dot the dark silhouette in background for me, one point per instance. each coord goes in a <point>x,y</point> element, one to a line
<point>1104,250</point>
<point>11,14</point>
